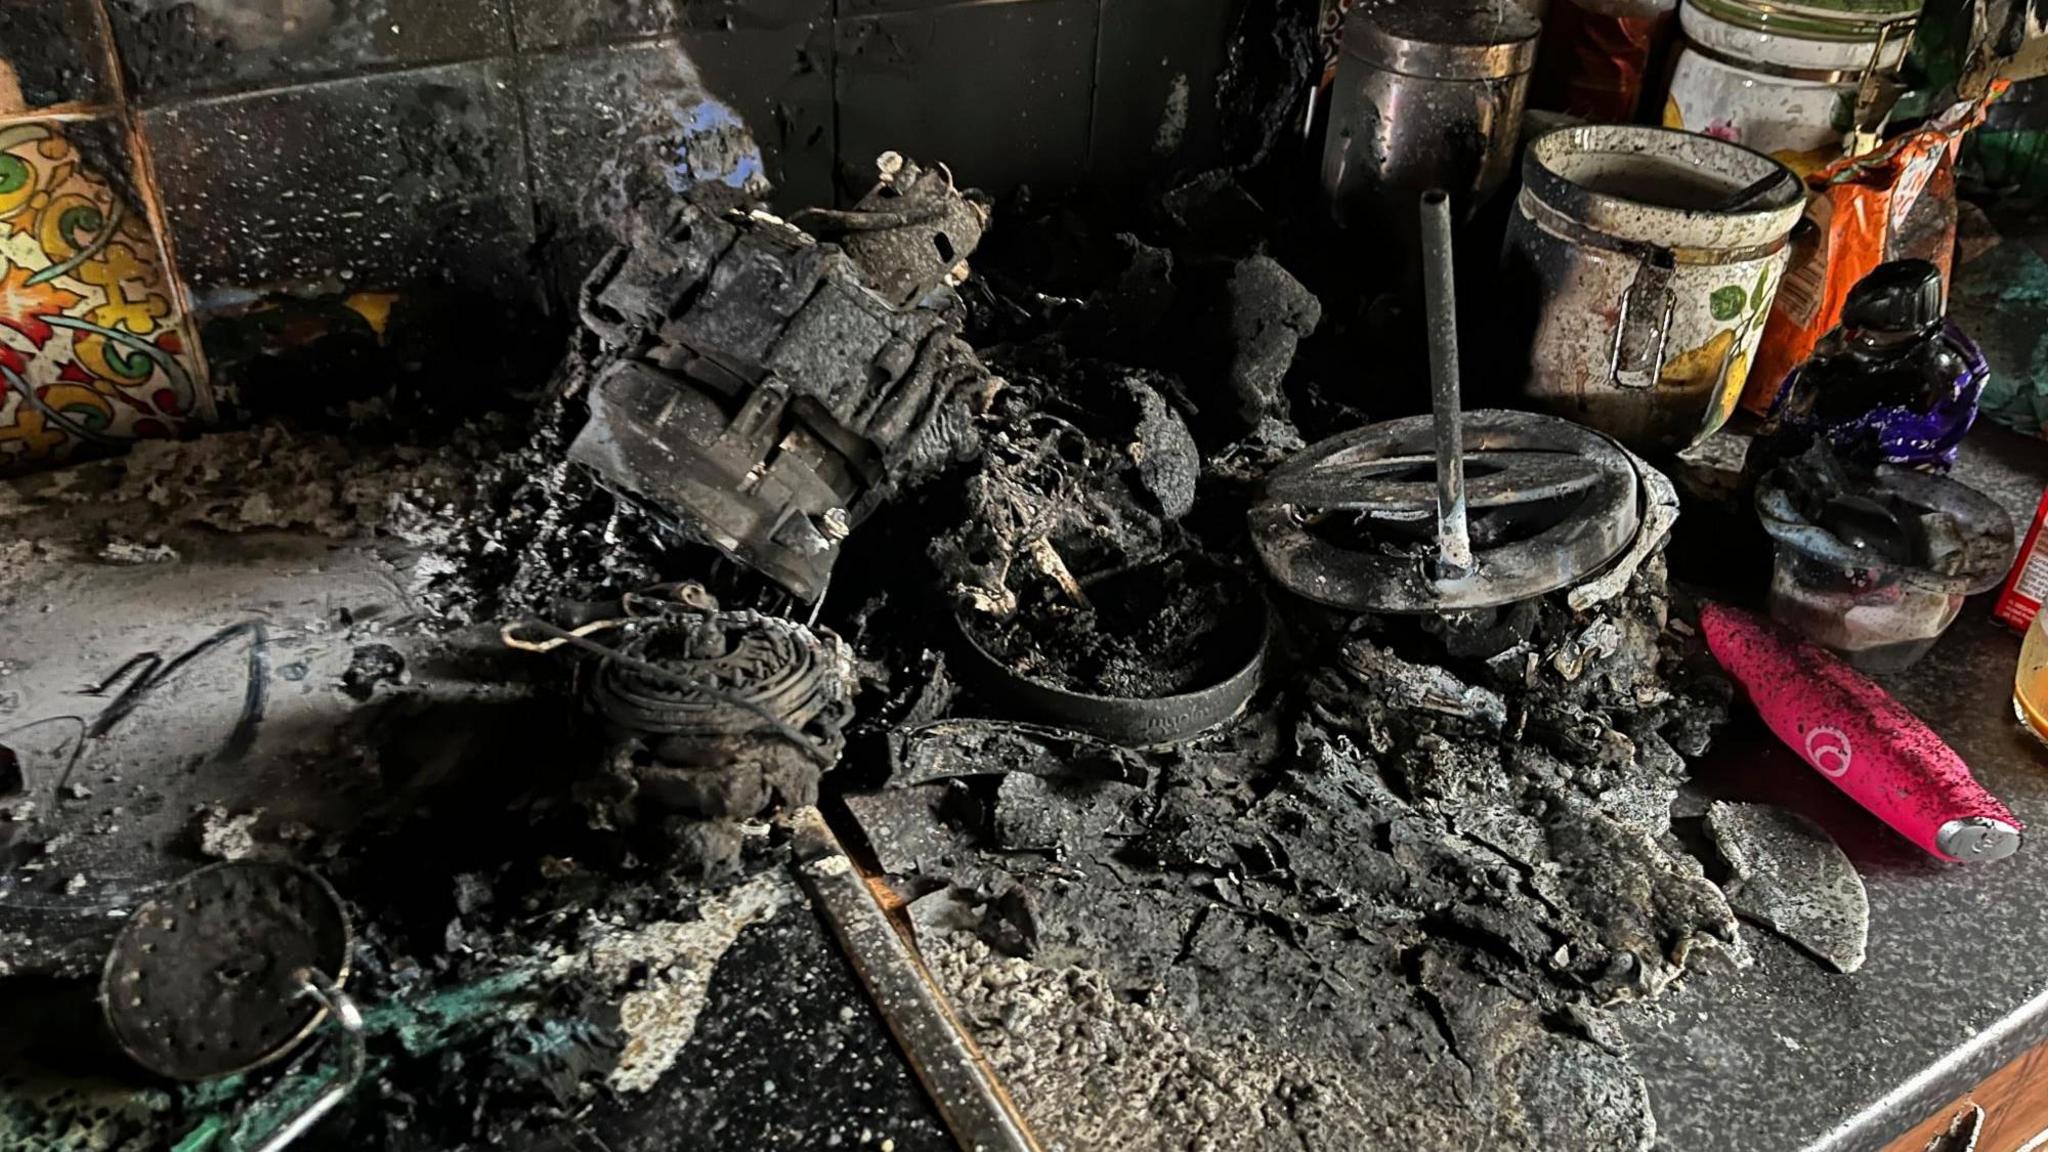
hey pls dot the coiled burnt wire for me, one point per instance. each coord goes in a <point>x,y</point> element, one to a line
<point>645,696</point>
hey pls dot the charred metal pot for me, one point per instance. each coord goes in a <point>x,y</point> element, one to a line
<point>1238,638</point>
<point>1130,721</point>
<point>207,978</point>
<point>1643,263</point>
<point>1352,522</point>
<point>1426,96</point>
<point>231,968</point>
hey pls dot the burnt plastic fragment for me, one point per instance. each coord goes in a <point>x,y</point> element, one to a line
<point>760,392</point>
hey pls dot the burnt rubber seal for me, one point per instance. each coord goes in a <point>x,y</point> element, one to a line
<point>1131,721</point>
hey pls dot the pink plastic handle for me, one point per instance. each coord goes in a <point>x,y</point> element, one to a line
<point>1854,733</point>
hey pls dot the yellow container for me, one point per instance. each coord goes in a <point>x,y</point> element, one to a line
<point>2030,682</point>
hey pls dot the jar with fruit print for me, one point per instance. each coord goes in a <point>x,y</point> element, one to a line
<point>1783,78</point>
<point>1639,266</point>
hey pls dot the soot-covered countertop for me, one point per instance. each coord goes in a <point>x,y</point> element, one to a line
<point>1787,1055</point>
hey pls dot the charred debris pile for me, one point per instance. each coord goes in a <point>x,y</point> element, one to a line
<point>1049,598</point>
<point>1036,546</point>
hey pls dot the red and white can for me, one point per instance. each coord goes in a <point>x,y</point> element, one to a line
<point>2027,587</point>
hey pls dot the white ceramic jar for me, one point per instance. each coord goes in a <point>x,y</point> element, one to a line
<point>1782,78</point>
<point>1641,263</point>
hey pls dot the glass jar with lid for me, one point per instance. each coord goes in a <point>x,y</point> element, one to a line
<point>1783,78</point>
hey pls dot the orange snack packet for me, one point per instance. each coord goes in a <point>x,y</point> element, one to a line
<point>1890,204</point>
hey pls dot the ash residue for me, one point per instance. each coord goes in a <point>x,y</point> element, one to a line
<point>676,960</point>
<point>1419,865</point>
<point>1421,880</point>
<point>270,478</point>
<point>369,666</point>
<point>1382,907</point>
<point>487,522</point>
<point>1153,630</point>
<point>1092,482</point>
<point>1060,1036</point>
<point>1791,877</point>
<point>228,836</point>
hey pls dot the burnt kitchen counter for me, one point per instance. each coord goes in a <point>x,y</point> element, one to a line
<point>1780,1055</point>
<point>1787,1055</point>
<point>290,702</point>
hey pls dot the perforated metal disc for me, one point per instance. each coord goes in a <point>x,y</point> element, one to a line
<point>204,980</point>
<point>1350,522</point>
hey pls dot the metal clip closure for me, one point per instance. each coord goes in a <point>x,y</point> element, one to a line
<point>1643,329</point>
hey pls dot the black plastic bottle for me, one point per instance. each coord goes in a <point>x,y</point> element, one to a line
<point>1896,382</point>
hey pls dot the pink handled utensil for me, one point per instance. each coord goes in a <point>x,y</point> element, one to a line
<point>1854,733</point>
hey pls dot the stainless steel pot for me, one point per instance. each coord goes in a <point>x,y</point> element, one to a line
<point>1427,95</point>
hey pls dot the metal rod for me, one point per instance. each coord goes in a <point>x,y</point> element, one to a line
<point>970,1099</point>
<point>1454,538</point>
<point>353,1060</point>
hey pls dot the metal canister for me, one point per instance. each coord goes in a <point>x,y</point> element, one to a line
<point>1643,263</point>
<point>1802,81</point>
<point>1427,95</point>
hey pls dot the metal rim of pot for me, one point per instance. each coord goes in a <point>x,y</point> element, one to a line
<point>1487,40</point>
<point>1130,721</point>
<point>1810,21</point>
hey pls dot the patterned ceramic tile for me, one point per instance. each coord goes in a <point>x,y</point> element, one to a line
<point>94,351</point>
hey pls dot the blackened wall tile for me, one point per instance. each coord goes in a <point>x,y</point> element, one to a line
<point>403,178</point>
<point>770,60</point>
<point>181,47</point>
<point>708,14</point>
<point>606,128</point>
<point>999,92</point>
<point>541,24</point>
<point>538,24</point>
<point>1155,85</point>
<point>865,7</point>
<point>614,124</point>
<point>52,52</point>
<point>779,78</point>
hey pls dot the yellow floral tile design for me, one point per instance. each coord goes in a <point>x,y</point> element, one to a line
<point>93,351</point>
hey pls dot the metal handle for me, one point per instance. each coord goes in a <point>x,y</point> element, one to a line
<point>1643,329</point>
<point>1876,90</point>
<point>342,1010</point>
<point>1439,293</point>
